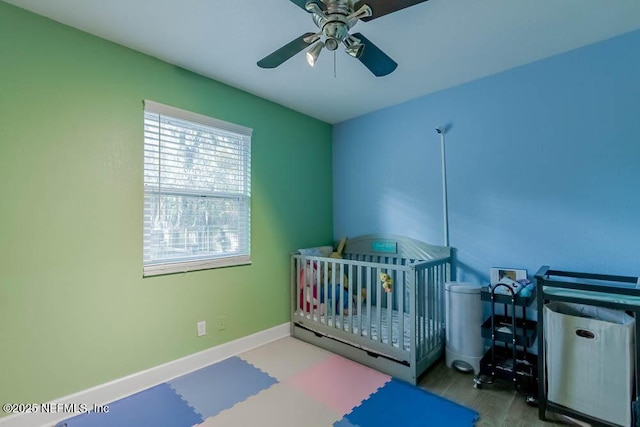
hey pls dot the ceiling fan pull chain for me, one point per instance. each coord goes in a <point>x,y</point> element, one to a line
<point>334,64</point>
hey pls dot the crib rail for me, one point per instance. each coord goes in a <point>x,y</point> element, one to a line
<point>429,299</point>
<point>345,299</point>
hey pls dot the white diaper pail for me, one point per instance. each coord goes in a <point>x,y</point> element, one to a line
<point>463,323</point>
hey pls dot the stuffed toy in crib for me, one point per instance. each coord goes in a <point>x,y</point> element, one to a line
<point>387,282</point>
<point>338,294</point>
<point>308,287</point>
<point>308,279</point>
<point>309,298</point>
<point>345,280</point>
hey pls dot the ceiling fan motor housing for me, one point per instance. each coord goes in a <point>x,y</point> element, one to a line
<point>333,22</point>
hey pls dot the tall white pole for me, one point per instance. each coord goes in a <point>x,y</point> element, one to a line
<point>445,208</point>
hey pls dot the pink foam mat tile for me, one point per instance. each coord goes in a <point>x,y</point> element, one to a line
<point>339,383</point>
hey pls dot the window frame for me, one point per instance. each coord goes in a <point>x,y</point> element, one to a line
<point>166,265</point>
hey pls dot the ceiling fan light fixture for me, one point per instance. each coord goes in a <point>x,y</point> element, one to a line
<point>331,44</point>
<point>314,52</point>
<point>312,7</point>
<point>353,46</point>
<point>364,12</point>
<point>355,50</point>
<point>312,38</point>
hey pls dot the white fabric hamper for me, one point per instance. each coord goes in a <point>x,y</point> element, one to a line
<point>592,374</point>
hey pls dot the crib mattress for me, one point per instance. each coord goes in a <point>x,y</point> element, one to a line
<point>361,324</point>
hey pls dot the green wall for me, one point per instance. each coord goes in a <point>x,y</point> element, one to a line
<point>75,311</point>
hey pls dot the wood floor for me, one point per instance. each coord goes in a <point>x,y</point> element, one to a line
<point>498,404</point>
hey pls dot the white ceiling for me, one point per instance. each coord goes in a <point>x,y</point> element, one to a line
<point>437,44</point>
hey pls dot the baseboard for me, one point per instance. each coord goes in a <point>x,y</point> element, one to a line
<point>134,383</point>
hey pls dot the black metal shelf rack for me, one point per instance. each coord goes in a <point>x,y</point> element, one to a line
<point>511,335</point>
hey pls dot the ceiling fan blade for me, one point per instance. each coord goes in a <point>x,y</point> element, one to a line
<point>384,7</point>
<point>285,52</point>
<point>374,59</point>
<point>302,3</point>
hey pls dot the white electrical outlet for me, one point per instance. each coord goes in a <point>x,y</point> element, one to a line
<point>202,328</point>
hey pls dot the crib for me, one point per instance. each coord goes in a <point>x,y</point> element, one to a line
<point>341,304</point>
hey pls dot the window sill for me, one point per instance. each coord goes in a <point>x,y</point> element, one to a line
<point>187,266</point>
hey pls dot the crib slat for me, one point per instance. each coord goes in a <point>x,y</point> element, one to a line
<point>442,278</point>
<point>418,277</point>
<point>413,308</point>
<point>299,286</point>
<point>379,308</point>
<point>433,292</point>
<point>422,296</point>
<point>389,312</point>
<point>329,294</point>
<point>346,325</point>
<point>413,283</point>
<point>369,297</point>
<point>338,298</point>
<point>439,297</point>
<point>418,292</point>
<point>306,305</point>
<point>428,284</point>
<point>436,303</point>
<point>298,289</point>
<point>437,278</point>
<point>433,286</point>
<point>423,308</point>
<point>439,303</point>
<point>388,304</point>
<point>303,288</point>
<point>354,283</point>
<point>318,282</point>
<point>429,278</point>
<point>401,313</point>
<point>333,298</point>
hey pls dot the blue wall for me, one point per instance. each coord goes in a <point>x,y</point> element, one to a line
<point>543,166</point>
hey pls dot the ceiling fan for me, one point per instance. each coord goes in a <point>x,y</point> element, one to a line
<point>335,18</point>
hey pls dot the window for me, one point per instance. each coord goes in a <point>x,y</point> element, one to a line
<point>197,191</point>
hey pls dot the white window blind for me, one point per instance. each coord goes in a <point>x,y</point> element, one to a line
<point>197,191</point>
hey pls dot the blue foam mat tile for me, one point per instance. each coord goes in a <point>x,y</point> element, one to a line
<point>158,406</point>
<point>344,423</point>
<point>217,387</point>
<point>400,403</point>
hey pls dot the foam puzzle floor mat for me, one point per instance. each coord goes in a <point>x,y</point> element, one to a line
<point>286,383</point>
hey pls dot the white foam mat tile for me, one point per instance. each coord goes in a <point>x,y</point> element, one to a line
<point>266,409</point>
<point>285,357</point>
